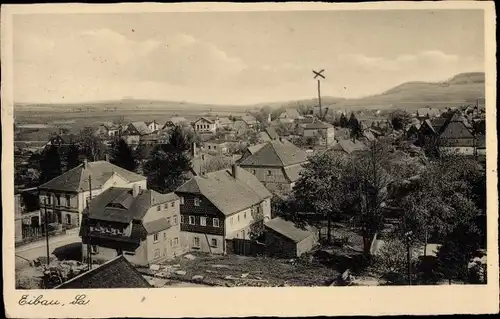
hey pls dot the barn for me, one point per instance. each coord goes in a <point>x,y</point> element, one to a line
<point>284,239</point>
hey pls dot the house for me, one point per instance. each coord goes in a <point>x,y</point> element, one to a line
<point>324,131</point>
<point>456,136</point>
<point>250,150</point>
<point>250,121</point>
<point>217,146</point>
<point>481,145</point>
<point>66,196</point>
<point>133,132</point>
<point>277,164</point>
<point>153,126</point>
<point>115,273</point>
<point>175,120</point>
<point>225,122</point>
<point>61,140</point>
<point>220,206</point>
<point>349,147</point>
<point>107,130</point>
<point>427,113</point>
<point>240,127</point>
<point>269,134</point>
<point>283,239</point>
<point>290,114</point>
<point>141,224</point>
<point>205,125</point>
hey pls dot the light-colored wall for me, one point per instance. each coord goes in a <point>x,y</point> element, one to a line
<point>132,139</point>
<point>153,213</point>
<point>204,126</point>
<point>239,225</point>
<point>205,242</point>
<point>262,173</point>
<point>459,150</point>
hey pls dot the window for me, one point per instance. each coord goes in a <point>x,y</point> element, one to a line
<point>216,222</point>
<point>245,214</point>
<point>172,204</point>
<point>238,217</point>
<point>58,197</point>
<point>94,249</point>
<point>253,171</point>
<point>165,235</point>
<point>183,219</point>
<point>157,253</point>
<point>165,207</point>
<point>215,147</point>
<point>208,146</point>
<point>231,220</point>
<point>155,237</point>
<point>203,221</point>
<point>196,201</point>
<point>269,173</point>
<point>49,198</point>
<point>68,200</point>
<point>196,242</point>
<point>158,208</point>
<point>192,220</point>
<point>68,219</point>
<point>176,241</point>
<point>182,200</point>
<point>174,222</point>
<point>168,220</point>
<point>214,242</point>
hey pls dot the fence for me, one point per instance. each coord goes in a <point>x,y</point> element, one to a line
<point>245,247</point>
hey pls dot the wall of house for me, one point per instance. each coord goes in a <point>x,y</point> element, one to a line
<point>460,150</point>
<point>204,126</point>
<point>267,174</point>
<point>205,209</point>
<point>239,225</point>
<point>205,242</point>
<point>166,211</point>
<point>306,245</point>
<point>278,245</point>
<point>132,139</point>
<point>137,257</point>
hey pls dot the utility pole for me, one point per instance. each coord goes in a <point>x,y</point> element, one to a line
<point>318,75</point>
<point>47,230</point>
<point>87,226</point>
<point>408,254</point>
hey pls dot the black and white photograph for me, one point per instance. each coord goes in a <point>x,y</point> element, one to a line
<point>248,148</point>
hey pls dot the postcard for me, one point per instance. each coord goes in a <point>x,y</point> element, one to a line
<point>261,159</point>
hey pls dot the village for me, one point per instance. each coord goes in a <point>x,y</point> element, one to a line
<point>297,196</point>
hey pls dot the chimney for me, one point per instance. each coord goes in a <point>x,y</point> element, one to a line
<point>135,190</point>
<point>85,164</point>
<point>193,149</point>
<point>234,170</point>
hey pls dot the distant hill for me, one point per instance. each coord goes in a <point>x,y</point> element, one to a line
<point>461,89</point>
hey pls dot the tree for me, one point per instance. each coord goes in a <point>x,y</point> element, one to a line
<point>90,144</point>
<point>72,156</point>
<point>392,260</point>
<point>215,164</point>
<point>366,182</point>
<point>169,163</point>
<point>343,121</point>
<point>355,127</point>
<point>458,249</point>
<point>319,189</point>
<point>50,164</point>
<point>122,155</point>
<point>399,119</point>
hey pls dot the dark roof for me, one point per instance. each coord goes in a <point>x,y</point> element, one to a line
<point>317,126</point>
<point>116,273</point>
<point>349,146</point>
<point>288,229</point>
<point>293,172</point>
<point>272,133</point>
<point>455,128</point>
<point>118,204</point>
<point>156,225</point>
<point>276,153</point>
<point>77,179</point>
<point>230,195</point>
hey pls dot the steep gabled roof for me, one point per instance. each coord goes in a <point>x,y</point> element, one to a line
<point>276,153</point>
<point>225,121</point>
<point>349,146</point>
<point>272,133</point>
<point>230,195</point>
<point>77,179</point>
<point>456,128</point>
<point>116,273</point>
<point>291,113</point>
<point>118,204</point>
<point>209,120</point>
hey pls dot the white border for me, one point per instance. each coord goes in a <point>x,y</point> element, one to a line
<point>236,302</point>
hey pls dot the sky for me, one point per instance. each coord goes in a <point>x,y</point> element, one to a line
<point>238,58</point>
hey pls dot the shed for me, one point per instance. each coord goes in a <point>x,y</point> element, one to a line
<point>284,239</point>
